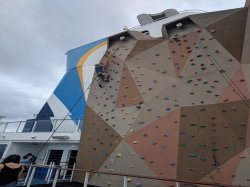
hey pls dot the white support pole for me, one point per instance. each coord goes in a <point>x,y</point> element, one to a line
<point>31,176</point>
<point>27,176</point>
<point>78,125</point>
<point>56,177</point>
<point>50,173</point>
<point>177,184</point>
<point>72,173</point>
<point>125,183</point>
<point>65,171</point>
<point>86,180</point>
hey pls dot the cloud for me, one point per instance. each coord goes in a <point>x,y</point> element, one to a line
<point>35,34</point>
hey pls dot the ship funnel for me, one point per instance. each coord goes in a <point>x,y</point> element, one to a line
<point>149,18</point>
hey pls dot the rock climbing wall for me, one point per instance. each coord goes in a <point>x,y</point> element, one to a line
<point>176,107</point>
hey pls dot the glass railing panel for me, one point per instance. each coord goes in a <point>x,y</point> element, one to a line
<point>11,127</point>
<point>28,126</point>
<point>2,127</point>
<point>21,126</point>
<point>43,126</point>
<point>66,126</point>
<point>57,125</point>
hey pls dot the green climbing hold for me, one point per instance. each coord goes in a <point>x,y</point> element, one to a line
<point>193,136</point>
<point>193,155</point>
<point>182,145</point>
<point>203,145</point>
<point>203,126</point>
<point>203,159</point>
<point>192,124</point>
<point>202,102</point>
<point>203,110</point>
<point>189,81</point>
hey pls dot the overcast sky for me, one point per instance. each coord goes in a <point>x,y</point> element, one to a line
<point>36,34</point>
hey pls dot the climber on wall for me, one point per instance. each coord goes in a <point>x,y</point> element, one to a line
<point>102,74</point>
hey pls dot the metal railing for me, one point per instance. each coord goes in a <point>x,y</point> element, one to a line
<point>182,11</point>
<point>54,176</point>
<point>66,125</point>
<point>47,174</point>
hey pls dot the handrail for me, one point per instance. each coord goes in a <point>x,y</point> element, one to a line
<point>139,176</point>
<point>17,126</point>
<point>4,122</point>
<point>193,10</point>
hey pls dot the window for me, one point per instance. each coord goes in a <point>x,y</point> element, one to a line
<point>2,149</point>
<point>28,126</point>
<point>43,126</point>
<point>71,160</point>
<point>55,156</point>
<point>157,17</point>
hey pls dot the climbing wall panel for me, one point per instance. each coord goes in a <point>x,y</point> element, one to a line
<point>204,20</point>
<point>209,55</point>
<point>148,82</point>
<point>225,173</point>
<point>237,115</point>
<point>98,141</point>
<point>128,93</point>
<point>241,175</point>
<point>246,46</point>
<point>103,100</point>
<point>159,138</point>
<point>211,138</point>
<point>246,71</point>
<point>170,109</point>
<point>134,164</point>
<point>142,45</point>
<point>139,36</point>
<point>157,59</point>
<point>202,89</point>
<point>163,103</point>
<point>248,132</point>
<point>237,89</point>
<point>121,119</point>
<point>230,32</point>
<point>181,48</point>
<point>122,49</point>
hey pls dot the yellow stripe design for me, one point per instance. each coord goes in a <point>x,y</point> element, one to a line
<point>83,60</point>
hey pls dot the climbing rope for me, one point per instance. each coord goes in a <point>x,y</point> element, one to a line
<point>75,104</point>
<point>71,109</point>
<point>222,72</point>
<point>225,76</point>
